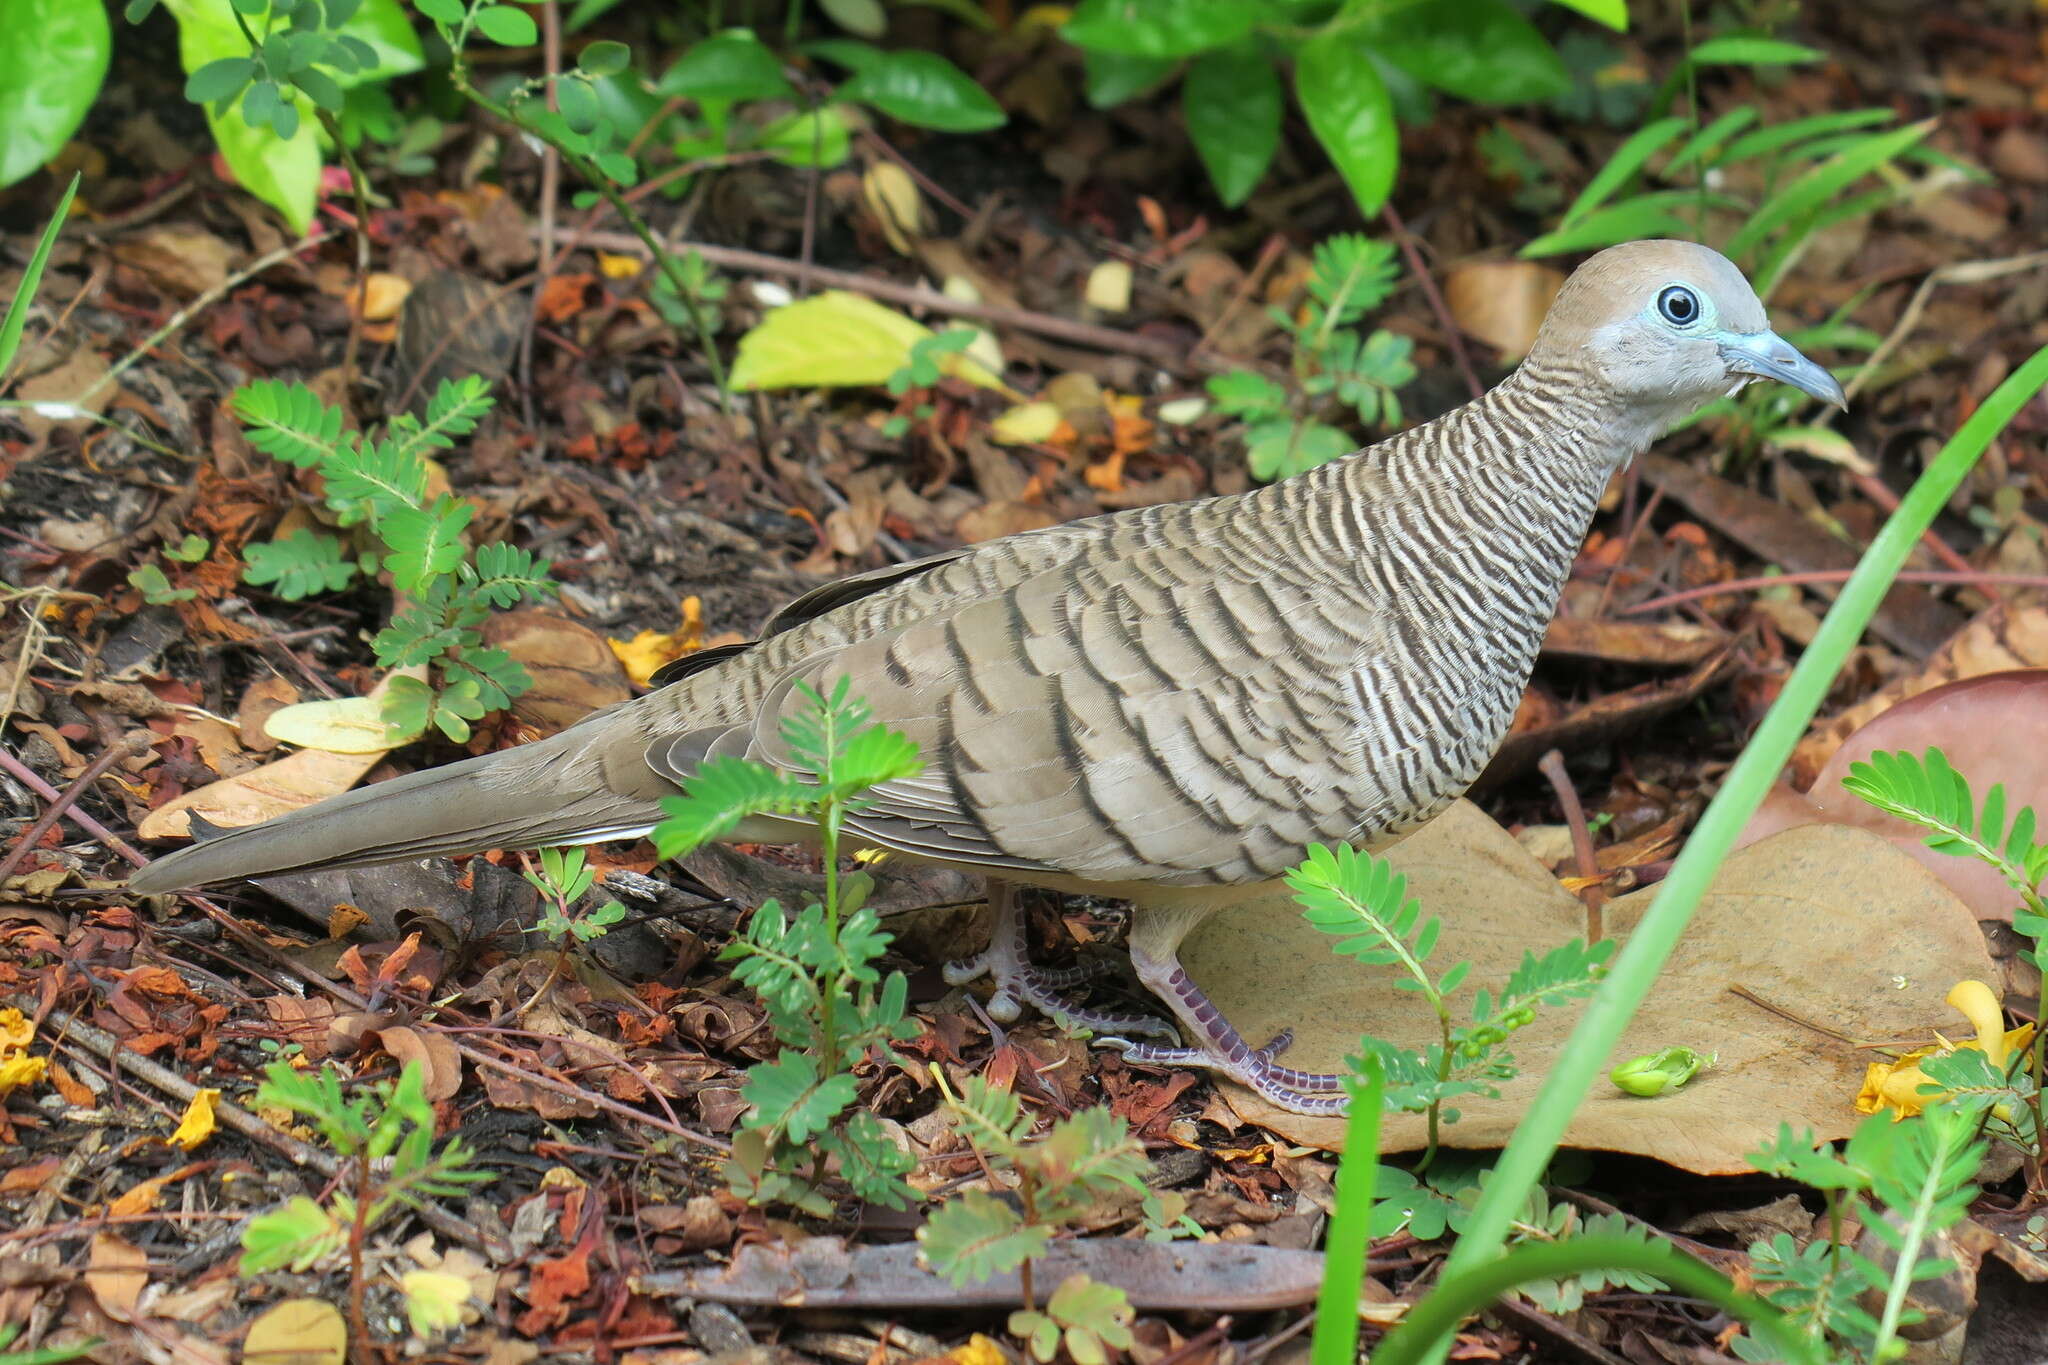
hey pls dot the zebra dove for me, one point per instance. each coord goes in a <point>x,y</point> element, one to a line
<point>1165,704</point>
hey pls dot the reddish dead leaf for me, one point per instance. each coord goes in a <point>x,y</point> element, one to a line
<point>565,296</point>
<point>553,1289</point>
<point>23,1179</point>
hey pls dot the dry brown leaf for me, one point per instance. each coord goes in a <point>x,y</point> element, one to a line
<point>288,784</point>
<point>574,670</point>
<point>1501,302</point>
<point>119,1274</point>
<point>1992,728</point>
<point>1824,921</point>
<point>2007,636</point>
<point>1674,643</point>
<point>440,1062</point>
<point>187,261</point>
<point>264,696</point>
<point>292,782</point>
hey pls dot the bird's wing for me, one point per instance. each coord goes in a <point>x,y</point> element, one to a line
<point>1150,708</point>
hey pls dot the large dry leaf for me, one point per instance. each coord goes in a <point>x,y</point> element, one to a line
<point>1991,728</point>
<point>1826,921</point>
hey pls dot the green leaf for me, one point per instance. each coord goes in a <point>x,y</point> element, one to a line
<point>507,26</point>
<point>1349,110</point>
<point>1159,28</point>
<point>31,279</point>
<point>866,18</point>
<point>924,89</point>
<point>729,66</point>
<point>425,543</point>
<point>300,565</point>
<point>605,58</point>
<point>219,80</point>
<point>1113,77</point>
<point>293,1237</point>
<point>1232,102</point>
<point>1480,50</point>
<point>1820,184</point>
<point>1647,215</point>
<point>819,137</point>
<point>53,57</point>
<point>976,1236</point>
<point>156,589</point>
<point>1245,393</point>
<point>1621,167</point>
<point>718,796</point>
<point>451,11</point>
<point>1746,50</point>
<point>1282,449</point>
<point>788,1094</point>
<point>1613,13</point>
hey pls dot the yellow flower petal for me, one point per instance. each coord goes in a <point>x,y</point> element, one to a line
<point>197,1125</point>
<point>1978,1003</point>
<point>20,1070</point>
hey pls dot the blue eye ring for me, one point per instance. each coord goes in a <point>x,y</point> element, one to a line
<point>1678,305</point>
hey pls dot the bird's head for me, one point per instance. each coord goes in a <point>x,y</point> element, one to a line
<point>1669,326</point>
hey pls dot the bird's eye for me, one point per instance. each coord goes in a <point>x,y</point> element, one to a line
<point>1679,305</point>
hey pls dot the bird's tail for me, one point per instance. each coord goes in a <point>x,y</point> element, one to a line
<point>464,807</point>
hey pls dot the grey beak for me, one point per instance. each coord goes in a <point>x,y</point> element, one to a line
<point>1769,356</point>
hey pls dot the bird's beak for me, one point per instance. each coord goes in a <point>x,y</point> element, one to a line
<point>1769,356</point>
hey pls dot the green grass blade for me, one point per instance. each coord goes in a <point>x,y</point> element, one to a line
<point>32,278</point>
<point>1628,158</point>
<point>1635,969</point>
<point>1812,190</point>
<point>1462,1293</point>
<point>1336,1332</point>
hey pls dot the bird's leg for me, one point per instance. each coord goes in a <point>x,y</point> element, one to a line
<point>1019,982</point>
<point>1216,1045</point>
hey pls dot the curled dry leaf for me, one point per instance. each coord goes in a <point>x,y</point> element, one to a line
<point>1993,729</point>
<point>1824,922</point>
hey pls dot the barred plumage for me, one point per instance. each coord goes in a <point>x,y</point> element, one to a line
<point>1163,702</point>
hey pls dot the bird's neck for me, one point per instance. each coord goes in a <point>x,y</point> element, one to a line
<point>1534,452</point>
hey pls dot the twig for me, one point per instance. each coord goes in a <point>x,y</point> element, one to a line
<point>1808,577</point>
<point>27,777</point>
<point>1956,272</point>
<point>1166,354</point>
<point>1879,492</point>
<point>550,189</point>
<point>1269,256</point>
<point>1593,894</point>
<point>54,811</point>
<point>1556,1332</point>
<point>359,185</point>
<point>1452,336</point>
<point>1788,1016</point>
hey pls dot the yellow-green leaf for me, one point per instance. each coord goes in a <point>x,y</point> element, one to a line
<point>835,339</point>
<point>434,1300</point>
<point>348,725</point>
<point>298,1332</point>
<point>1613,13</point>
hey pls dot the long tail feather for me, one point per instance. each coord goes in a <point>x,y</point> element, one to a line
<point>454,809</point>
